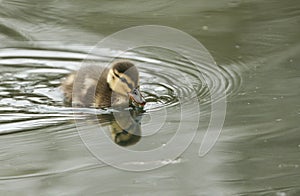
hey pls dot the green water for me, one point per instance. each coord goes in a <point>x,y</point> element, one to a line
<point>256,46</point>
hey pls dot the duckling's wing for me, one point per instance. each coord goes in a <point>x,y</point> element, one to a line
<point>80,87</point>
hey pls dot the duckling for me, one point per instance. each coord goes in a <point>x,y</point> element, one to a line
<point>95,86</point>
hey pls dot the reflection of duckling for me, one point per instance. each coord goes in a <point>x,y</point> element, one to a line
<point>124,126</point>
<point>104,87</point>
<point>125,137</point>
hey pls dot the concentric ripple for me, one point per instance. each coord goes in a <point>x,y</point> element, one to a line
<point>30,79</point>
<point>164,82</point>
<point>176,74</point>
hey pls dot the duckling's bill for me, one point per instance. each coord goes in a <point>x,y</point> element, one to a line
<point>137,98</point>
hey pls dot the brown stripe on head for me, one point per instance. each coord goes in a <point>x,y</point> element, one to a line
<point>123,77</point>
<point>126,69</point>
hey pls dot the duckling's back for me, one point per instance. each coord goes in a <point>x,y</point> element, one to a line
<point>83,87</point>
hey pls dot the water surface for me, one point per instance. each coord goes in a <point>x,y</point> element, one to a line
<point>256,46</point>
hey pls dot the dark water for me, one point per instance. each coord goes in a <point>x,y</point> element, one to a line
<point>256,46</point>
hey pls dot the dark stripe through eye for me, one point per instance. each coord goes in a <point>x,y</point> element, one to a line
<point>123,80</point>
<point>116,74</point>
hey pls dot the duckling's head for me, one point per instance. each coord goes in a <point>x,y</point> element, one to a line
<point>123,79</point>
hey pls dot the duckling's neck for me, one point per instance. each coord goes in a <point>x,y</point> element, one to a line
<point>106,97</point>
<point>103,92</point>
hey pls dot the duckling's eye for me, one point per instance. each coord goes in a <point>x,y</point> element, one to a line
<point>123,79</point>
